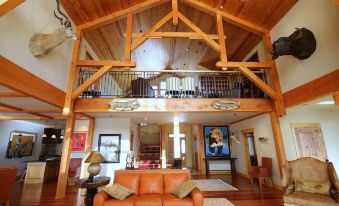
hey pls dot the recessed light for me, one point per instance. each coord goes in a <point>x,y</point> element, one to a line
<point>328,102</point>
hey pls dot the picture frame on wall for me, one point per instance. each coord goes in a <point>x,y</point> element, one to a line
<point>79,141</point>
<point>20,145</point>
<point>216,141</point>
<point>109,146</point>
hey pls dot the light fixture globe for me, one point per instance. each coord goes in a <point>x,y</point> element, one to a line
<point>94,169</point>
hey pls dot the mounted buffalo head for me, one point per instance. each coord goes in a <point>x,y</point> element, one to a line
<point>40,44</point>
<point>301,44</point>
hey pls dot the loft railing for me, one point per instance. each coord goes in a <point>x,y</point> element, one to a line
<point>172,84</point>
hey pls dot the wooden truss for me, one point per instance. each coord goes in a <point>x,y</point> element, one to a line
<point>175,16</point>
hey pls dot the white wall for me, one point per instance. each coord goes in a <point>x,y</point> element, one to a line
<point>322,18</point>
<point>6,127</point>
<point>19,25</point>
<point>262,128</point>
<point>329,121</point>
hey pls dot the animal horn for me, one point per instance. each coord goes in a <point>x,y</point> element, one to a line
<point>60,19</point>
<point>60,12</point>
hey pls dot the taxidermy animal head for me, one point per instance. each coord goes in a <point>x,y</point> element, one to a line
<point>40,44</point>
<point>301,44</point>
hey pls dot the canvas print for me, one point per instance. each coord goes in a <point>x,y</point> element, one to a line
<point>79,141</point>
<point>216,141</point>
<point>20,145</point>
<point>109,146</point>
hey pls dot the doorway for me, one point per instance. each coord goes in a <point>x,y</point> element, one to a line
<point>250,150</point>
<point>170,148</point>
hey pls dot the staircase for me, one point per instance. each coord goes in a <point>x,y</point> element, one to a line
<point>149,156</point>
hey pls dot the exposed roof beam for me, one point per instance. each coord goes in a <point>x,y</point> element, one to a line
<point>12,94</point>
<point>8,110</point>
<point>20,80</point>
<point>31,118</point>
<point>8,5</point>
<point>227,17</point>
<point>122,13</point>
<point>244,64</point>
<point>190,35</point>
<point>21,110</point>
<point>101,63</point>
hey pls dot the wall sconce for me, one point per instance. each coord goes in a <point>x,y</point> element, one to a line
<point>53,136</point>
<point>262,139</point>
<point>44,135</point>
<point>124,105</point>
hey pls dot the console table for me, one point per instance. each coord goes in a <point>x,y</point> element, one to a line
<point>221,158</point>
<point>92,187</point>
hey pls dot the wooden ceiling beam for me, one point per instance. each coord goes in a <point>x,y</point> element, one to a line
<point>175,12</point>
<point>157,26</point>
<point>22,110</point>
<point>120,14</point>
<point>8,110</point>
<point>206,38</point>
<point>221,35</point>
<point>323,86</point>
<point>31,118</point>
<point>128,37</point>
<point>12,94</point>
<point>18,79</point>
<point>244,64</point>
<point>8,5</point>
<point>175,105</point>
<point>189,35</point>
<point>101,63</point>
<point>336,98</point>
<point>227,17</point>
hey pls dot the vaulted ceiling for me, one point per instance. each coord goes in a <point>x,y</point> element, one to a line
<point>108,40</point>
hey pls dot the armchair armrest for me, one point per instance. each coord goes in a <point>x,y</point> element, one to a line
<point>198,199</point>
<point>100,198</point>
<point>334,193</point>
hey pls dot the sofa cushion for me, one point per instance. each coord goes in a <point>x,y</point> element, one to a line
<point>131,181</point>
<point>148,200</point>
<point>322,188</point>
<point>173,180</point>
<point>118,192</point>
<point>185,189</point>
<point>305,198</point>
<point>151,183</point>
<point>115,202</point>
<point>172,200</point>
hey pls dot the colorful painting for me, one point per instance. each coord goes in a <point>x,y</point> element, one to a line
<point>216,141</point>
<point>20,145</point>
<point>109,146</point>
<point>79,141</point>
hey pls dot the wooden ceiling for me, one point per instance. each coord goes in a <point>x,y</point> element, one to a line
<point>108,40</point>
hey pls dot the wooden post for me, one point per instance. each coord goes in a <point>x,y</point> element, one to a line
<point>279,144</point>
<point>128,38</point>
<point>163,146</point>
<point>201,151</point>
<point>89,145</point>
<point>175,11</point>
<point>65,158</point>
<point>221,35</point>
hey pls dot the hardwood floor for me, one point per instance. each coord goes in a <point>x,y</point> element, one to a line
<point>247,194</point>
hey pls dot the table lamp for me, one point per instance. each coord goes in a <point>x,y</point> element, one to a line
<point>95,158</point>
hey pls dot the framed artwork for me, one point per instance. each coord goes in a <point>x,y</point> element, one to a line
<point>216,141</point>
<point>308,140</point>
<point>20,145</point>
<point>110,146</point>
<point>79,141</point>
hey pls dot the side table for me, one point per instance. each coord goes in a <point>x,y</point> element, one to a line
<point>92,187</point>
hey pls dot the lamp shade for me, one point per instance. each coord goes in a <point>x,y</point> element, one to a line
<point>95,157</point>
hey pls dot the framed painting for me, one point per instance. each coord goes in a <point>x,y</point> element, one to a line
<point>79,141</point>
<point>20,145</point>
<point>216,141</point>
<point>109,146</point>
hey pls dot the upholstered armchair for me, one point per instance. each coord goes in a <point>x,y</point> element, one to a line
<point>310,182</point>
<point>262,172</point>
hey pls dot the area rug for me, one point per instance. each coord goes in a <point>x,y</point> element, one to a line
<point>214,185</point>
<point>217,202</point>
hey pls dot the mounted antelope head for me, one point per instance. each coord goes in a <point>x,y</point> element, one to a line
<point>40,44</point>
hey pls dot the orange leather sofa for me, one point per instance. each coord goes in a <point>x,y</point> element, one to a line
<point>151,188</point>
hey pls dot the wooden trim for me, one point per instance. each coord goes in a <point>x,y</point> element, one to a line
<point>65,158</point>
<point>89,143</point>
<point>336,98</point>
<point>31,118</point>
<point>90,81</point>
<point>246,118</point>
<point>12,94</point>
<point>157,26</point>
<point>278,140</point>
<point>101,63</point>
<point>175,105</point>
<point>18,79</point>
<point>323,86</point>
<point>258,82</point>
<point>190,35</point>
<point>128,37</point>
<point>221,35</point>
<point>120,14</point>
<point>205,37</point>
<point>244,64</point>
<point>72,73</point>
<point>201,150</point>
<point>227,17</point>
<point>8,6</point>
<point>8,110</point>
<point>175,12</point>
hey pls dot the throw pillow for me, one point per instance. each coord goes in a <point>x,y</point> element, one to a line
<point>184,189</point>
<point>322,188</point>
<point>118,192</point>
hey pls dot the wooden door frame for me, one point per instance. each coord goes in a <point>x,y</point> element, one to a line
<point>244,133</point>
